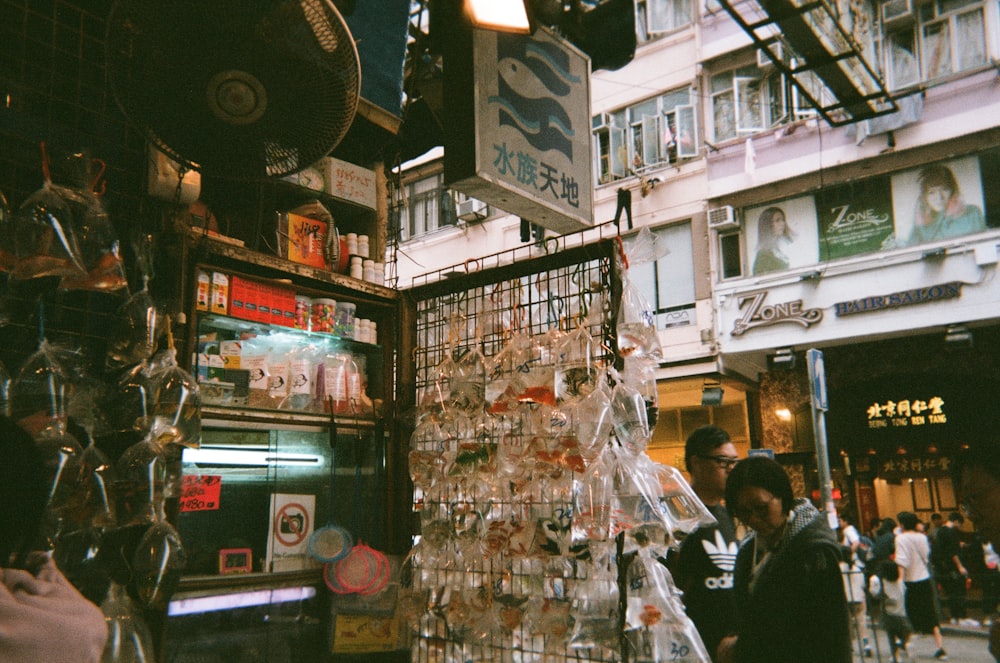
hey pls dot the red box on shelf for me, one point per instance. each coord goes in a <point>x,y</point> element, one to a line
<point>277,306</point>
<point>238,297</point>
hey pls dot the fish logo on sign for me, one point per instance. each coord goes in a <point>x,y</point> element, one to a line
<point>533,76</point>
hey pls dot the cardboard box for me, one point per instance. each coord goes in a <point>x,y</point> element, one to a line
<point>286,296</point>
<point>277,305</point>
<point>237,297</point>
<point>203,293</point>
<point>219,297</point>
<point>302,239</point>
<point>253,301</point>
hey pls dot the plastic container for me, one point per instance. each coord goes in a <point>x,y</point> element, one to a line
<point>303,312</point>
<point>368,270</point>
<point>352,243</point>
<point>324,312</point>
<point>343,325</point>
<point>357,267</point>
<point>363,246</point>
<point>380,273</point>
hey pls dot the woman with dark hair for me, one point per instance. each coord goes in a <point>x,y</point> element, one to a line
<point>773,232</point>
<point>790,598</point>
<point>941,212</point>
<point>885,541</point>
<point>913,553</point>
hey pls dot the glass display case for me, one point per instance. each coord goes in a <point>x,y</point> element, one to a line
<point>296,369</point>
<point>256,495</point>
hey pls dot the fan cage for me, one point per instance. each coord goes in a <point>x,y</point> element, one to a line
<point>235,90</point>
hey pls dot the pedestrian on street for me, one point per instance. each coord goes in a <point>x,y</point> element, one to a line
<point>703,567</point>
<point>885,541</point>
<point>790,598</point>
<point>946,554</point>
<point>853,574</point>
<point>913,558</point>
<point>978,472</point>
<point>887,589</point>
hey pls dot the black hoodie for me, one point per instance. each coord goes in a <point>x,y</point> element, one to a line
<point>795,610</point>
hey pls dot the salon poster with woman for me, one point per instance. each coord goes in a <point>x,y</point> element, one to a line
<point>782,235</point>
<point>938,201</point>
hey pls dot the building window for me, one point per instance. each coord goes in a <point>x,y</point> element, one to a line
<point>650,134</point>
<point>668,283</point>
<point>757,97</point>
<point>946,37</point>
<point>657,17</point>
<point>424,206</point>
<point>730,255</point>
<point>747,100</point>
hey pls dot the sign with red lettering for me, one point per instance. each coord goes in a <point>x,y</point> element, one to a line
<point>200,493</point>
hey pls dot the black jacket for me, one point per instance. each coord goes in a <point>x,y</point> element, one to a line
<point>796,611</point>
<point>704,573</point>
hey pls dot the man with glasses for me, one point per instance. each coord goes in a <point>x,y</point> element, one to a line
<point>703,569</point>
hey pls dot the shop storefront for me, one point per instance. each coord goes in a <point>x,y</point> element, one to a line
<point>894,432</point>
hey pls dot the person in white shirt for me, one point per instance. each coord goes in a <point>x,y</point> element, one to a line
<point>913,552</point>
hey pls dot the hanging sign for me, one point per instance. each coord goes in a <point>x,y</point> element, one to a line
<point>200,493</point>
<point>528,149</point>
<point>350,182</point>
<point>291,527</point>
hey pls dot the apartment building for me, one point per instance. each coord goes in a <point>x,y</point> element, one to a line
<point>875,242</point>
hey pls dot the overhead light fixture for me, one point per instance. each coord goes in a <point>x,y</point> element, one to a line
<point>500,15</point>
<point>957,337</point>
<point>782,360</point>
<point>711,393</point>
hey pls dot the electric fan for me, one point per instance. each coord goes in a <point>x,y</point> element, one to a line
<point>235,89</point>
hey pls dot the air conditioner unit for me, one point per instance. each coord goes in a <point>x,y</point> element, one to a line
<point>764,60</point>
<point>600,121</point>
<point>471,210</point>
<point>722,218</point>
<point>896,12</point>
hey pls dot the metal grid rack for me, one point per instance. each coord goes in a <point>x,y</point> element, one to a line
<point>567,284</point>
<point>53,88</point>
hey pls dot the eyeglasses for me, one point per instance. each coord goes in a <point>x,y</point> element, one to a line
<point>725,462</point>
<point>760,511</point>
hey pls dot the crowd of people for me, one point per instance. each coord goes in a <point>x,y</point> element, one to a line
<point>800,592</point>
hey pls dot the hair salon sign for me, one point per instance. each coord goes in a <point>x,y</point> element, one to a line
<point>758,314</point>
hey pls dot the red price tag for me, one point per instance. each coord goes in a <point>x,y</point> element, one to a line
<point>200,493</point>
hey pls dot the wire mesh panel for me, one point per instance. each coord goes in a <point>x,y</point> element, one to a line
<point>506,567</point>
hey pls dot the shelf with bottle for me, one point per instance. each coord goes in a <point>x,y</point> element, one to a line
<point>274,199</point>
<point>268,367</point>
